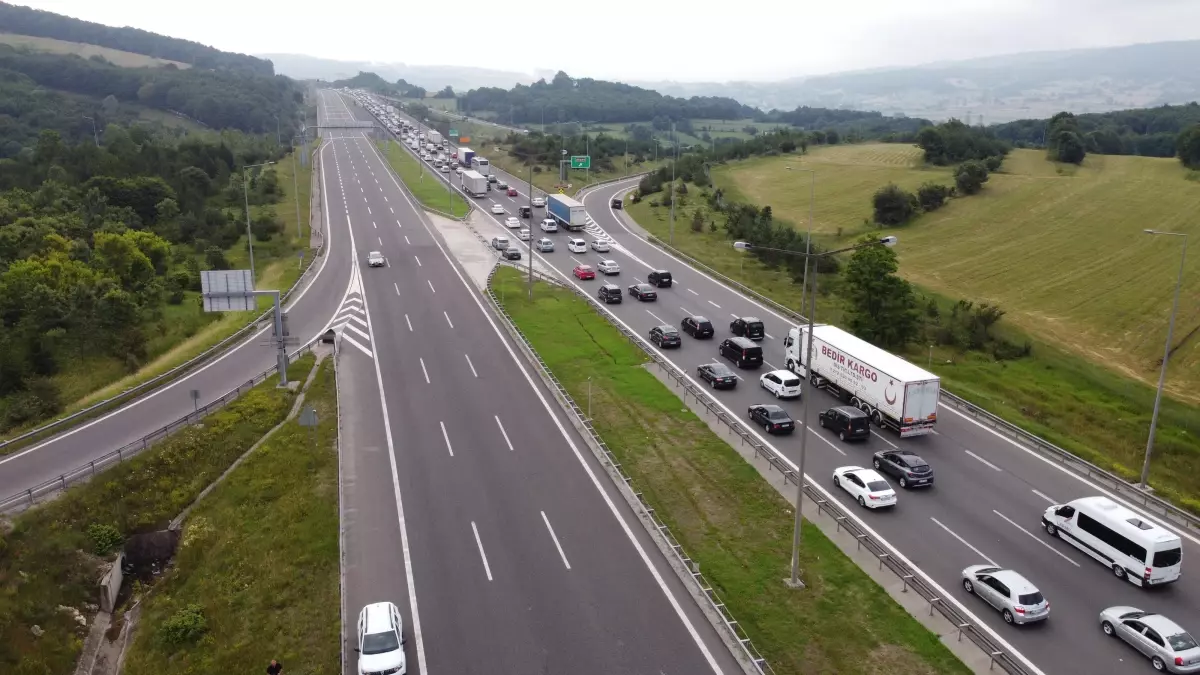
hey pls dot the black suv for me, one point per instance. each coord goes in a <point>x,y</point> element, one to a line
<point>906,466</point>
<point>741,351</point>
<point>643,292</point>
<point>609,294</point>
<point>697,326</point>
<point>616,202</point>
<point>772,418</point>
<point>660,278</point>
<point>718,375</point>
<point>748,326</point>
<point>524,212</point>
<point>665,336</point>
<point>850,422</point>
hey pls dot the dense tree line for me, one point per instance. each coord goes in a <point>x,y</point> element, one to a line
<point>218,99</point>
<point>94,240</point>
<point>39,23</point>
<point>1189,147</point>
<point>1149,132</point>
<point>953,142</point>
<point>374,83</point>
<point>865,124</point>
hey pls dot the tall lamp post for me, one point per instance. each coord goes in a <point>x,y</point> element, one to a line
<point>1162,373</point>
<point>812,200</point>
<point>794,580</point>
<point>246,196</point>
<point>530,232</point>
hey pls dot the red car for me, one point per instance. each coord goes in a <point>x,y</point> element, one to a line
<point>512,192</point>
<point>454,155</point>
<point>584,272</point>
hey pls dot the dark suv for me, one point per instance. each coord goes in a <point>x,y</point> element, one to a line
<point>660,278</point>
<point>524,211</point>
<point>849,422</point>
<point>697,326</point>
<point>748,326</point>
<point>741,351</point>
<point>609,294</point>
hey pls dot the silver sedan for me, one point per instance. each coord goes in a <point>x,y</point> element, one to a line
<point>1170,648</point>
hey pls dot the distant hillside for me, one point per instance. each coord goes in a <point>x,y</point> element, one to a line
<point>113,56</point>
<point>1149,132</point>
<point>35,22</point>
<point>374,83</point>
<point>433,78</point>
<point>1000,89</point>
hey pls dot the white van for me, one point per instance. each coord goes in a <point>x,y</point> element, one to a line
<point>1136,549</point>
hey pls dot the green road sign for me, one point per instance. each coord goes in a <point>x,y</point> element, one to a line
<point>581,162</point>
<point>454,133</point>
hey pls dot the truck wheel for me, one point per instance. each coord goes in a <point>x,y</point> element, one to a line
<point>791,365</point>
<point>855,402</point>
<point>877,417</point>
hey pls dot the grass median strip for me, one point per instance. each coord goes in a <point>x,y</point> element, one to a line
<point>724,514</point>
<point>53,555</point>
<point>258,563</point>
<point>423,184</point>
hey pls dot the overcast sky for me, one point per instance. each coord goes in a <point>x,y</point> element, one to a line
<point>640,40</point>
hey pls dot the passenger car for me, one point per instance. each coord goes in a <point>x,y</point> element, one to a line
<point>512,222</point>
<point>544,245</point>
<point>867,487</point>
<point>718,375</point>
<point>499,243</point>
<point>381,640</point>
<point>501,185</point>
<point>576,246</point>
<point>849,422</point>
<point>549,225</point>
<point>512,192</point>
<point>782,383</point>
<point>1017,600</point>
<point>772,418</point>
<point>660,278</point>
<point>376,259</point>
<point>643,292</point>
<point>609,294</point>
<point>497,209</point>
<point>523,234</point>
<point>616,202</point>
<point>512,253</point>
<point>741,351</point>
<point>600,246</point>
<point>539,201</point>
<point>609,267</point>
<point>665,336</point>
<point>697,326</point>
<point>1169,647</point>
<point>748,326</point>
<point>584,272</point>
<point>905,466</point>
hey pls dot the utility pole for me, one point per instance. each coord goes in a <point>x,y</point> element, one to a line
<point>246,197</point>
<point>95,136</point>
<point>531,233</point>
<point>296,188</point>
<point>672,193</point>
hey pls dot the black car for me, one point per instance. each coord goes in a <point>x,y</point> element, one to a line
<point>643,292</point>
<point>665,336</point>
<point>524,212</point>
<point>492,179</point>
<point>609,294</point>
<point>512,253</point>
<point>741,351</point>
<point>718,375</point>
<point>850,423</point>
<point>748,326</point>
<point>616,202</point>
<point>906,466</point>
<point>697,326</point>
<point>772,418</point>
<point>660,278</point>
<point>501,185</point>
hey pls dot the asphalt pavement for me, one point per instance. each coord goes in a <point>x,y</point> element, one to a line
<point>512,553</point>
<point>990,493</point>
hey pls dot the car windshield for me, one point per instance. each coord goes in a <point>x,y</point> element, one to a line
<point>878,486</point>
<point>1034,598</point>
<point>1167,558</point>
<point>380,643</point>
<point>777,414</point>
<point>1182,642</point>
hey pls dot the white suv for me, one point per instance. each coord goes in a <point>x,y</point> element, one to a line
<point>576,246</point>
<point>782,383</point>
<point>549,225</point>
<point>381,640</point>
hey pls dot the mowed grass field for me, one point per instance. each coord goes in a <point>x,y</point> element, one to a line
<point>114,56</point>
<point>1060,249</point>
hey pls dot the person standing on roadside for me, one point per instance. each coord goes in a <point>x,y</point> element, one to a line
<point>274,668</point>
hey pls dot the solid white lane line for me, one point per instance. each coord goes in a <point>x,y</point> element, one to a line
<point>482,555</point>
<point>555,538</point>
<point>984,461</point>
<point>445,314</point>
<point>397,287</point>
<point>714,304</point>
<point>1036,538</point>
<point>418,261</point>
<point>431,286</point>
<point>424,371</point>
<point>472,365</point>
<point>1043,496</point>
<point>692,292</point>
<point>963,541</point>
<point>504,433</point>
<point>447,438</point>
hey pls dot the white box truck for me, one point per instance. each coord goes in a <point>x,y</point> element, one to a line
<point>895,393</point>
<point>474,183</point>
<point>435,137</point>
<point>567,211</point>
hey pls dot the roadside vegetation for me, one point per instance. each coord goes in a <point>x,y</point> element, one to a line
<point>422,183</point>
<point>54,555</point>
<point>259,558</point>
<point>843,622</point>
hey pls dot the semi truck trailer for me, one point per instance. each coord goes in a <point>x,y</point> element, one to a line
<point>474,183</point>
<point>570,213</point>
<point>893,392</point>
<point>434,137</point>
<point>465,155</point>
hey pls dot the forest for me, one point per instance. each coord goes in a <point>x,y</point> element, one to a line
<point>1149,132</point>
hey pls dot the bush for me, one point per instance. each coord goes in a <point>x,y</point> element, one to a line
<point>970,176</point>
<point>893,205</point>
<point>932,196</point>
<point>105,538</point>
<point>266,225</point>
<point>185,626</point>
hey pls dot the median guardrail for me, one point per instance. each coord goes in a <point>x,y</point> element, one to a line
<point>30,496</point>
<point>63,423</point>
<point>1157,505</point>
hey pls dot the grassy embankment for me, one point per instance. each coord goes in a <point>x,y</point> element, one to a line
<point>1056,251</point>
<point>54,554</point>
<point>426,187</point>
<point>260,558</point>
<point>725,515</point>
<point>114,56</point>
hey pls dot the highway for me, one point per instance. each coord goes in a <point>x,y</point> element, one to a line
<point>470,501</point>
<point>309,310</point>
<point>990,493</point>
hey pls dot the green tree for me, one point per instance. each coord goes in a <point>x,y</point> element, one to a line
<point>970,176</point>
<point>1063,140</point>
<point>883,308</point>
<point>893,205</point>
<point>1188,147</point>
<point>932,196</point>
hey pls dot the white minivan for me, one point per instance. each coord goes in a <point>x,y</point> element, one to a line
<point>1137,550</point>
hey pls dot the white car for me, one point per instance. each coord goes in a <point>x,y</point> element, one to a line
<point>523,235</point>
<point>381,640</point>
<point>544,245</point>
<point>512,222</point>
<point>782,383</point>
<point>458,170</point>
<point>549,225</point>
<point>576,246</point>
<point>499,243</point>
<point>867,487</point>
<point>538,201</point>
<point>600,246</point>
<point>376,259</point>
<point>497,209</point>
<point>445,168</point>
<point>609,267</point>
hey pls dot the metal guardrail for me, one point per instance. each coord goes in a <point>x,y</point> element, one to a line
<point>1181,518</point>
<point>29,496</point>
<point>909,577</point>
<point>63,423</point>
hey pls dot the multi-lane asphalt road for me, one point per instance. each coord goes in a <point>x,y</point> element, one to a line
<point>990,494</point>
<point>470,501</point>
<point>309,310</point>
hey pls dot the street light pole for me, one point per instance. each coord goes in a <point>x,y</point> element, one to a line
<point>246,196</point>
<point>1162,373</point>
<point>95,136</point>
<point>671,236</point>
<point>296,188</point>
<point>794,580</point>
<point>812,198</point>
<point>530,232</point>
